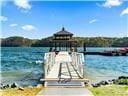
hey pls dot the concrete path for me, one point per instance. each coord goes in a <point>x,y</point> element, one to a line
<point>64,92</point>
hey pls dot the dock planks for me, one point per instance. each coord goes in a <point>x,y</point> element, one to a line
<point>63,59</point>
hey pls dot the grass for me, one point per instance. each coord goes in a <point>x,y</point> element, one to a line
<point>110,90</point>
<point>16,92</point>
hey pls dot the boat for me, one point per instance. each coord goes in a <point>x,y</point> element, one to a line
<point>117,52</point>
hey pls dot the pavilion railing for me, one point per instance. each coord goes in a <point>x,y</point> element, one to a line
<point>49,61</point>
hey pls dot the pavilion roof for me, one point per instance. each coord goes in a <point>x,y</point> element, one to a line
<point>63,32</point>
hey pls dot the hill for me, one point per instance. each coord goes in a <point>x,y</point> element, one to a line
<point>17,41</point>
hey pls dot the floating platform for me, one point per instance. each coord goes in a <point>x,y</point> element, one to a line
<point>119,52</point>
<point>106,53</point>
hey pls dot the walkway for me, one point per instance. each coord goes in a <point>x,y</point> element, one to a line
<point>64,76</point>
<point>62,67</point>
<point>64,71</point>
<point>64,92</point>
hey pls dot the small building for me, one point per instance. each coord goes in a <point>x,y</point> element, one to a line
<point>63,41</point>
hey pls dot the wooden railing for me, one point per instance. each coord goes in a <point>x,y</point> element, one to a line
<point>49,61</point>
<point>78,63</point>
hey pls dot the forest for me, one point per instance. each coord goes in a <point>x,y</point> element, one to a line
<point>17,41</point>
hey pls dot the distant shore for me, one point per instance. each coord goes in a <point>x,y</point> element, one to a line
<point>17,41</point>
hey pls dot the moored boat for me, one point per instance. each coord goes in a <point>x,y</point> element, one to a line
<point>118,52</point>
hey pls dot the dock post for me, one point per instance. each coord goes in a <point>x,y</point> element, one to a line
<point>84,45</point>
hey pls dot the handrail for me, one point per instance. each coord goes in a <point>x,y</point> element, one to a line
<point>78,63</point>
<point>49,61</point>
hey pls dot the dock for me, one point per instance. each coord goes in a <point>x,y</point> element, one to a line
<point>64,75</point>
<point>63,65</point>
<point>64,69</point>
<point>115,52</point>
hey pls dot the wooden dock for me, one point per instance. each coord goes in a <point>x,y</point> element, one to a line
<point>64,69</point>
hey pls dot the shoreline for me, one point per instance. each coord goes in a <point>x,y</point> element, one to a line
<point>114,87</point>
<point>120,80</point>
<point>94,78</point>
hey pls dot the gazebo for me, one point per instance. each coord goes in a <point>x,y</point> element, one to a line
<point>63,41</point>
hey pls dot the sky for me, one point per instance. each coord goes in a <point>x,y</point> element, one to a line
<point>40,19</point>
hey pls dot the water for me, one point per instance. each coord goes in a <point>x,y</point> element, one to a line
<point>24,65</point>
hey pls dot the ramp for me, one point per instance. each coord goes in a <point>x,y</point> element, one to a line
<point>64,69</point>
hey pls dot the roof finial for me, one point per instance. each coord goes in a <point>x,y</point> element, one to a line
<point>63,29</point>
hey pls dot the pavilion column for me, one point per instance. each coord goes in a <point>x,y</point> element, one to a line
<point>70,46</point>
<point>66,47</point>
<point>75,46</point>
<point>59,46</point>
<point>55,46</point>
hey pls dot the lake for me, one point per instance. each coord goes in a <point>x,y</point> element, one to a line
<point>24,65</point>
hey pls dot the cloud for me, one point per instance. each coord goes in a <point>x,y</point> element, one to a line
<point>28,27</point>
<point>110,3</point>
<point>124,12</point>
<point>3,18</point>
<point>24,4</point>
<point>93,21</point>
<point>13,25</point>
